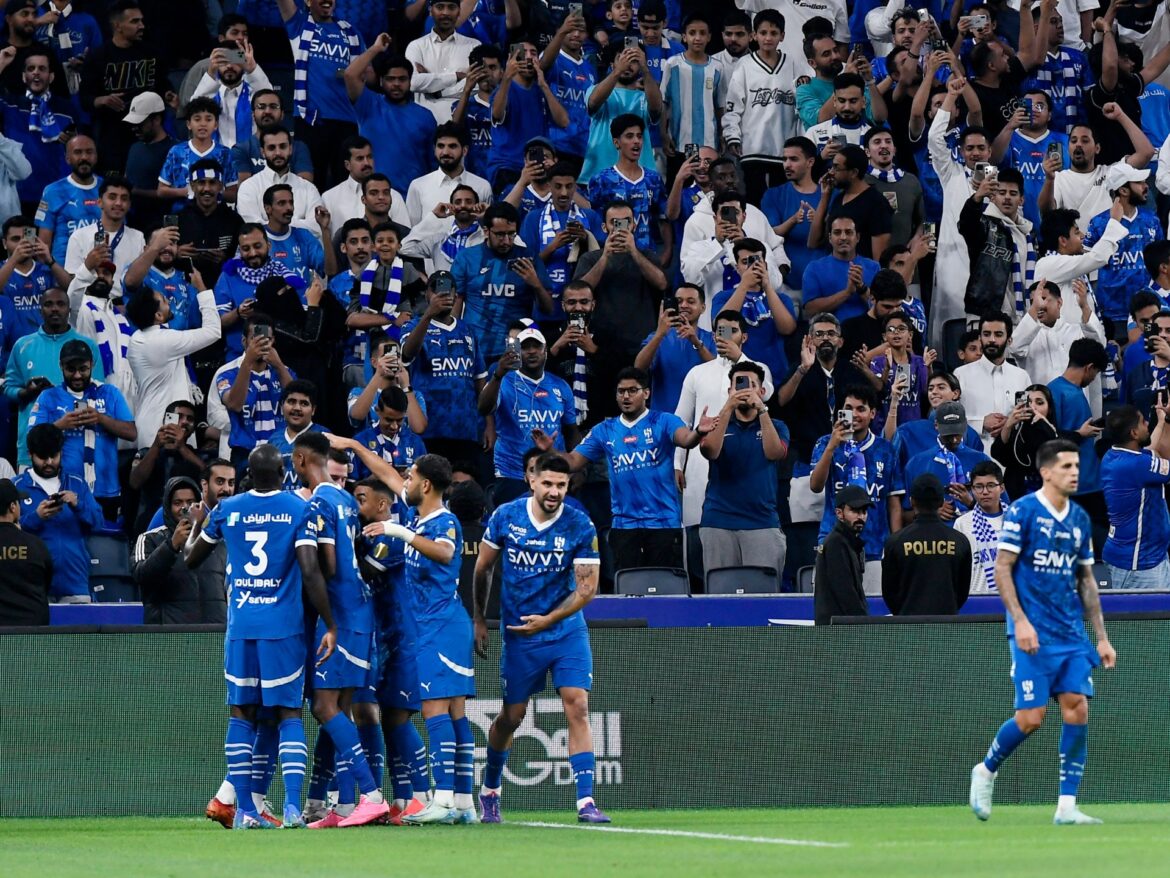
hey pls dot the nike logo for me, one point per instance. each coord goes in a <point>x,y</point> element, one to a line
<point>485,269</point>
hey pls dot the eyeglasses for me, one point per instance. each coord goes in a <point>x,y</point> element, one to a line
<point>897,329</point>
<point>983,489</point>
<point>628,391</point>
<point>825,333</point>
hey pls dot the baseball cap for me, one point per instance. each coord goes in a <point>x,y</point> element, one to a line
<point>143,107</point>
<point>530,333</point>
<point>1121,173</point>
<point>540,141</point>
<point>854,497</point>
<point>927,489</point>
<point>951,419</point>
<point>15,6</point>
<point>74,350</point>
<point>10,494</point>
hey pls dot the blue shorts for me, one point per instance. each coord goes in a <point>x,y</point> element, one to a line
<point>1051,671</point>
<point>525,665</point>
<point>352,662</point>
<point>444,658</point>
<point>266,672</point>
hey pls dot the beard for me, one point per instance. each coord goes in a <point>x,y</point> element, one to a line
<point>992,351</point>
<point>826,351</point>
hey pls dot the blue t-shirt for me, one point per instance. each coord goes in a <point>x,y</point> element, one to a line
<point>647,196</point>
<point>1070,409</point>
<point>937,462</point>
<point>1155,104</point>
<point>247,158</point>
<point>331,519</point>
<point>523,406</point>
<point>56,402</point>
<point>403,136</point>
<point>674,358</point>
<point>537,565</point>
<point>884,479</point>
<point>764,344</point>
<point>778,204</point>
<point>494,295</point>
<point>298,249</point>
<point>741,482</point>
<point>176,169</point>
<point>280,441</point>
<point>434,587</point>
<point>182,296</point>
<point>264,578</point>
<point>526,117</point>
<point>1049,547</point>
<point>829,275</point>
<point>478,122</point>
<point>47,159</point>
<point>8,329</point>
<point>539,228</point>
<point>446,369</point>
<point>1027,156</point>
<point>82,32</point>
<point>256,421</point>
<point>569,80</point>
<point>915,437</point>
<point>399,452</point>
<point>640,460</point>
<point>66,207</point>
<point>1139,524</point>
<point>1125,273</point>
<point>329,54</point>
<point>25,291</point>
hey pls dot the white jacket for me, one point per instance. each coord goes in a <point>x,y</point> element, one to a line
<point>952,267</point>
<point>760,113</point>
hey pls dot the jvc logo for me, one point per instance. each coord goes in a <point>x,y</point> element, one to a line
<point>551,741</point>
<point>537,560</point>
<point>451,365</point>
<point>1053,558</point>
<point>508,291</point>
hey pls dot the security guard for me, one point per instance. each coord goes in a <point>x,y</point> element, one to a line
<point>26,568</point>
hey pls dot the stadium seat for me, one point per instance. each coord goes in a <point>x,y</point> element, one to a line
<point>743,580</point>
<point>952,331</point>
<point>1101,574</point>
<point>647,581</point>
<point>804,580</point>
<point>110,581</point>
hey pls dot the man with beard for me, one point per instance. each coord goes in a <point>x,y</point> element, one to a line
<point>1001,248</point>
<point>298,407</point>
<point>676,346</point>
<point>846,194</point>
<point>1126,270</point>
<point>92,416</point>
<point>789,208</point>
<point>276,145</point>
<point>71,202</point>
<point>155,271</point>
<point>357,246</point>
<point>344,201</point>
<point>247,156</point>
<point>147,158</point>
<point>737,44</point>
<point>20,18</point>
<point>815,98</point>
<point>403,131</point>
<point>691,183</point>
<point>841,560</point>
<point>168,456</point>
<point>110,239</point>
<point>40,122</point>
<point>989,385</point>
<point>235,292</point>
<point>207,226</point>
<point>440,60</point>
<point>901,190</point>
<point>447,229</point>
<point>451,146</point>
<point>295,246</point>
<point>250,388</point>
<point>61,511</point>
<point>100,318</point>
<point>625,90</point>
<point>232,87</point>
<point>28,271</point>
<point>523,107</point>
<point>847,121</point>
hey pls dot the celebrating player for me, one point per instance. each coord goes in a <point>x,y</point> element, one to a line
<point>264,658</point>
<point>1044,572</point>
<point>550,572</point>
<point>326,546</point>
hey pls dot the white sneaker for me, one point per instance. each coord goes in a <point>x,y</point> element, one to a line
<point>1074,817</point>
<point>982,786</point>
<point>315,811</point>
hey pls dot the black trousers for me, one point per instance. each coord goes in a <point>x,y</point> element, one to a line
<point>646,547</point>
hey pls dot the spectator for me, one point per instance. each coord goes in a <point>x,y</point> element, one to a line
<point>846,124</point>
<point>899,375</point>
<point>870,210</point>
<point>250,387</point>
<point>233,85</point>
<point>676,346</point>
<point>247,156</point>
<point>836,283</point>
<point>277,148</point>
<point>28,272</point>
<point>1059,66</point>
<point>207,224</point>
<point>523,106</point>
<point>790,207</point>
<point>950,460</point>
<point>1134,473</point>
<point>1042,339</point>
<point>915,436</point>
<point>385,370</point>
<point>737,38</point>
<point>643,189</point>
<point>570,75</point>
<point>1143,307</point>
<point>34,363</point>
<point>172,594</point>
<point>70,203</point>
<point>235,291</point>
<point>231,28</point>
<point>533,187</point>
<point>1146,379</point>
<point>154,271</point>
<point>571,356</point>
<point>448,229</point>
<point>1119,85</point>
<point>92,417</point>
<point>690,119</point>
<point>39,122</point>
<point>202,119</point>
<point>816,99</point>
<point>27,577</point>
<point>1073,417</point>
<point>982,525</point>
<point>1024,144</point>
<point>625,90</point>
<point>427,190</point>
<point>927,566</point>
<point>168,456</point>
<point>840,565</point>
<point>61,19</point>
<point>388,440</point>
<point>441,58</point>
<point>524,399</point>
<point>298,407</point>
<point>110,239</point>
<point>473,110</point>
<point>61,511</point>
<point>1028,426</point>
<point>1001,249</point>
<point>990,384</point>
<point>1081,187</point>
<point>852,455</point>
<point>866,333</point>
<point>740,524</point>
<point>1065,259</point>
<point>295,247</point>
<point>691,183</point>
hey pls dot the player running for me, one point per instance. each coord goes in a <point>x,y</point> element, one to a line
<point>550,572</point>
<point>326,547</point>
<point>264,652</point>
<point>1044,572</point>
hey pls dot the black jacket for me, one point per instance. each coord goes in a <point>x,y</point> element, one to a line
<point>991,250</point>
<point>927,569</point>
<point>26,572</point>
<point>172,594</point>
<point>839,569</point>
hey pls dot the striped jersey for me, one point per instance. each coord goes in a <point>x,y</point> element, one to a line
<point>690,92</point>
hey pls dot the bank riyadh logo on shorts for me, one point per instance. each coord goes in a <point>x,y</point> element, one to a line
<point>540,747</point>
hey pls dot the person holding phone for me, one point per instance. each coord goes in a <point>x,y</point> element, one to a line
<point>532,189</point>
<point>1027,144</point>
<point>676,346</point>
<point>643,189</point>
<point>626,89</point>
<point>950,459</point>
<point>157,270</point>
<point>29,270</point>
<point>1027,426</point>
<point>110,239</point>
<point>570,75</point>
<point>232,78</point>
<point>898,374</point>
<point>1042,340</point>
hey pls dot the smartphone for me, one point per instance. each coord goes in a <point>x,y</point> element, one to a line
<point>621,224</point>
<point>902,372</point>
<point>845,416</point>
<point>839,139</point>
<point>729,213</point>
<point>576,10</point>
<point>1164,397</point>
<point>930,229</point>
<point>516,50</point>
<point>724,332</point>
<point>631,42</point>
<point>690,150</point>
<point>1054,149</point>
<point>978,22</point>
<point>171,419</point>
<point>30,233</point>
<point>444,284</point>
<point>171,219</point>
<point>1021,397</point>
<point>262,331</point>
<point>514,265</point>
<point>981,172</point>
<point>535,155</point>
<point>100,237</point>
<point>1028,108</point>
<point>670,304</point>
<point>578,320</point>
<point>391,349</point>
<point>56,499</point>
<point>752,259</point>
<point>235,56</point>
<point>574,226</point>
<point>742,382</point>
<point>1097,422</point>
<point>512,346</point>
<point>924,15</point>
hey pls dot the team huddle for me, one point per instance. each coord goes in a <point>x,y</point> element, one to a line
<point>351,601</point>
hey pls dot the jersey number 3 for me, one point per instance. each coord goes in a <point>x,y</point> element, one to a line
<point>257,538</point>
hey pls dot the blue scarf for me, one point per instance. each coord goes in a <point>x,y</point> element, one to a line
<point>301,57</point>
<point>42,120</point>
<point>755,308</point>
<point>243,114</point>
<point>985,535</point>
<point>457,239</point>
<point>855,469</point>
<point>120,332</point>
<point>375,274</point>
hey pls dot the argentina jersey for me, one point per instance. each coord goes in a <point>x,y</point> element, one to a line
<point>640,459</point>
<point>1050,547</point>
<point>536,573</point>
<point>446,369</point>
<point>434,587</point>
<point>1139,525</point>
<point>331,519</point>
<point>263,576</point>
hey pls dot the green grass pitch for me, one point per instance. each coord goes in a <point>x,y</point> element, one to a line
<point>871,842</point>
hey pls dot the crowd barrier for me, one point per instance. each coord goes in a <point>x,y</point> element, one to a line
<point>132,722</point>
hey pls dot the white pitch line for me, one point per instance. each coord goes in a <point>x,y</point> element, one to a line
<point>679,833</point>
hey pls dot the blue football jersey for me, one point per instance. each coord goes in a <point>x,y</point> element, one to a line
<point>434,587</point>
<point>647,196</point>
<point>640,459</point>
<point>263,577</point>
<point>536,574</point>
<point>1026,155</point>
<point>331,519</point>
<point>400,452</point>
<point>285,446</point>
<point>25,291</point>
<point>1126,269</point>
<point>1139,524</point>
<point>446,370</point>
<point>478,122</point>
<point>523,406</point>
<point>65,207</point>
<point>298,249</point>
<point>1050,546</point>
<point>884,479</point>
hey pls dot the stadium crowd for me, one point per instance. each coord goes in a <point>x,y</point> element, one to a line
<point>838,279</point>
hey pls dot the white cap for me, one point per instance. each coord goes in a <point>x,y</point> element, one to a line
<point>531,332</point>
<point>143,107</point>
<point>1121,173</point>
